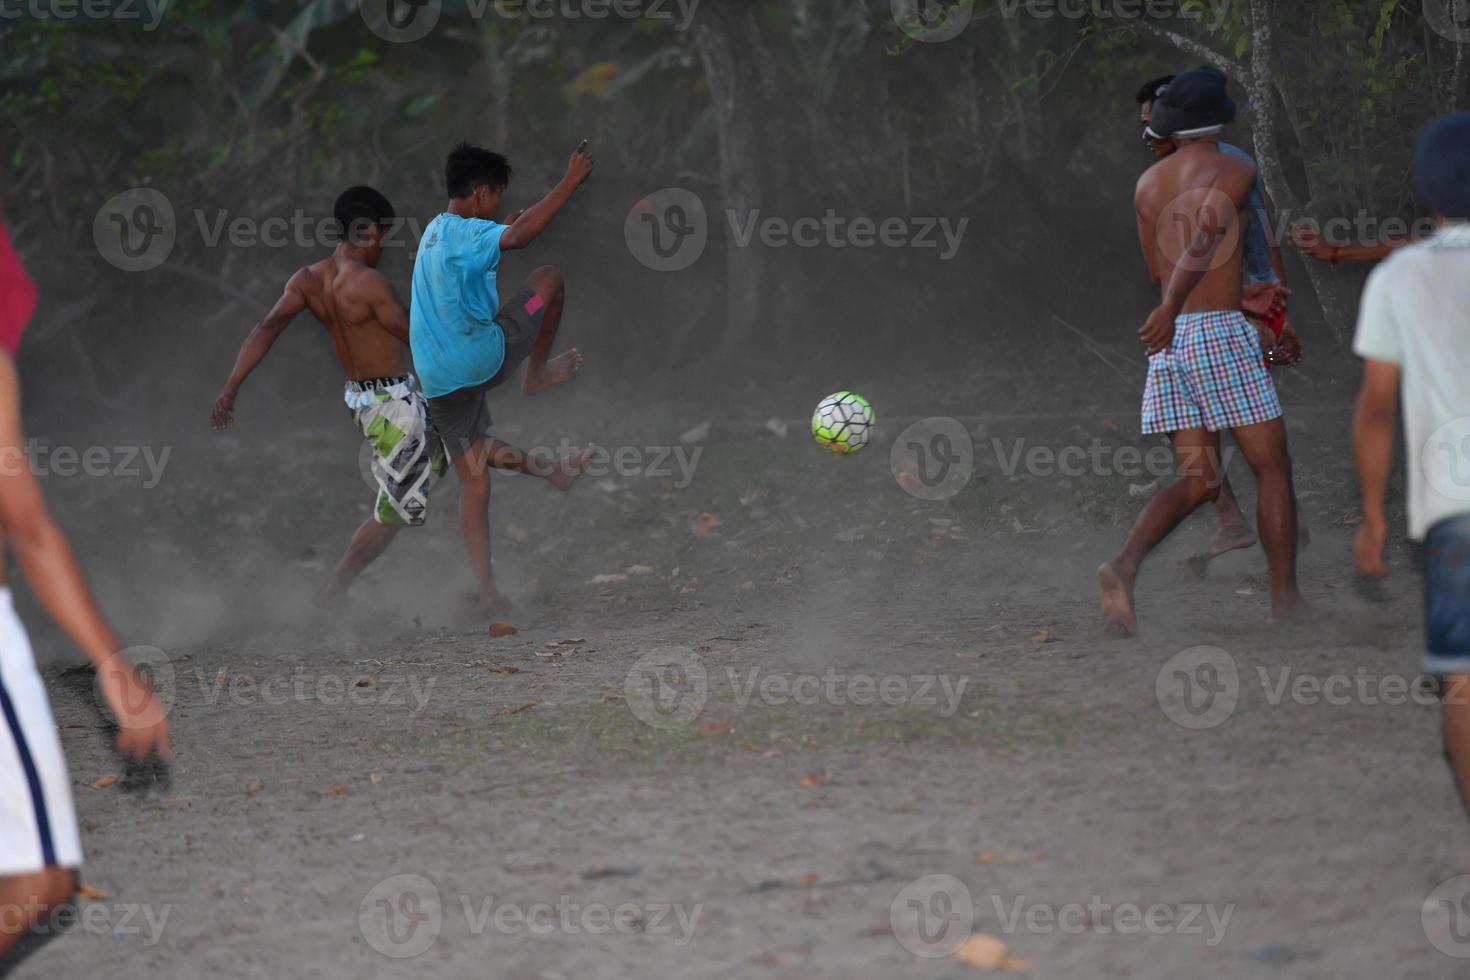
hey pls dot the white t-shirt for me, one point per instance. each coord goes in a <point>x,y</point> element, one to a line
<point>1416,314</point>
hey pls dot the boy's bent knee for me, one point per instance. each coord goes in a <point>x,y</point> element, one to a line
<point>547,280</point>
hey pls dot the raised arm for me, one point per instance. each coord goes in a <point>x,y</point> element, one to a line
<point>257,344</point>
<point>46,559</point>
<point>533,221</point>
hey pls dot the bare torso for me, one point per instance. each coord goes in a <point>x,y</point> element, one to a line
<point>347,297</point>
<point>1197,181</point>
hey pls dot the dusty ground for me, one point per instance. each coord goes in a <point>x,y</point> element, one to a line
<point>317,759</point>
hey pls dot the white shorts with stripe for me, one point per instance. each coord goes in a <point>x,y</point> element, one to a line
<point>38,827</point>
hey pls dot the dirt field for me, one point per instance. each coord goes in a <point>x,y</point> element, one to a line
<point>759,729</point>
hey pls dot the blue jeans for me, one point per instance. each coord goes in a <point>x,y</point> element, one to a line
<point>1447,596</point>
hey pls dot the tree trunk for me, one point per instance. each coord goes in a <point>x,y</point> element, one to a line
<point>727,37</point>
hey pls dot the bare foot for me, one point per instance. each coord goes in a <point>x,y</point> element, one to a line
<point>558,369</point>
<point>565,473</point>
<point>1288,607</point>
<point>1226,539</point>
<point>1117,599</point>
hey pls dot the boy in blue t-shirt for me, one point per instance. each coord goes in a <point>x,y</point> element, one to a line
<point>465,342</point>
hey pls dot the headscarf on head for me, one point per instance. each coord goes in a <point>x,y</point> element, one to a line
<point>1195,104</point>
<point>1442,166</point>
<point>17,294</point>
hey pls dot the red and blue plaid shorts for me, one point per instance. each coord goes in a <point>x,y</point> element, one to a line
<point>1212,377</point>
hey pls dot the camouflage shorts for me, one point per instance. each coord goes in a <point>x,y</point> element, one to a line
<point>407,455</point>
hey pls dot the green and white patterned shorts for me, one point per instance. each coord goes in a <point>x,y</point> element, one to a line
<point>408,455</point>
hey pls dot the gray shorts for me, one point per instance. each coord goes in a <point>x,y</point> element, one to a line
<point>462,417</point>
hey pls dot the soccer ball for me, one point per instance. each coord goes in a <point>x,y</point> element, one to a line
<point>843,422</point>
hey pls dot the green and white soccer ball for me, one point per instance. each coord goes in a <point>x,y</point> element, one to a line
<point>844,422</point>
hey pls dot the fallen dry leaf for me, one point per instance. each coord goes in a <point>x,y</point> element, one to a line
<point>375,779</point>
<point>639,570</point>
<point>253,788</point>
<point>814,779</point>
<point>982,952</point>
<point>333,791</point>
<point>711,728</point>
<point>105,782</point>
<point>1045,635</point>
<point>90,893</point>
<point>503,629</point>
<point>517,710</point>
<point>705,523</point>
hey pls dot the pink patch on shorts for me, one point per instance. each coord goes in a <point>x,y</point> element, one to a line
<point>534,304</point>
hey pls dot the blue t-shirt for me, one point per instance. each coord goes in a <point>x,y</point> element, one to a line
<point>1258,267</point>
<point>452,330</point>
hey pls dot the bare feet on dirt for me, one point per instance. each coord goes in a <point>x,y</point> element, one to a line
<point>1117,599</point>
<point>560,368</point>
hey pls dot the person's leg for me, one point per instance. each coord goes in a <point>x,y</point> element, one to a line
<point>369,541</point>
<point>1232,533</point>
<point>1264,447</point>
<point>474,513</point>
<point>560,474</point>
<point>26,899</point>
<point>1456,705</point>
<point>1198,454</point>
<point>542,370</point>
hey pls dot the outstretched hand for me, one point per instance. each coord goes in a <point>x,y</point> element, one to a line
<point>142,722</point>
<point>579,168</point>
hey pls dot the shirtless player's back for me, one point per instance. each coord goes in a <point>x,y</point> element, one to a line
<point>369,330</point>
<point>1205,369</point>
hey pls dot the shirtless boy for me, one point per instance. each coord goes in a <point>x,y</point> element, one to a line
<point>369,330</point>
<point>40,848</point>
<point>1205,368</point>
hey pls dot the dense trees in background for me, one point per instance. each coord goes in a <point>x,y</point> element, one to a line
<point>256,107</point>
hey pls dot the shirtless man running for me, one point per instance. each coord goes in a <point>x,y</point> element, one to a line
<point>1205,368</point>
<point>369,330</point>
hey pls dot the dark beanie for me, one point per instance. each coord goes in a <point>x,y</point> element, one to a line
<point>1442,166</point>
<point>1196,103</point>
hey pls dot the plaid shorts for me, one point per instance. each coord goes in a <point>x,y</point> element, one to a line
<point>1211,378</point>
